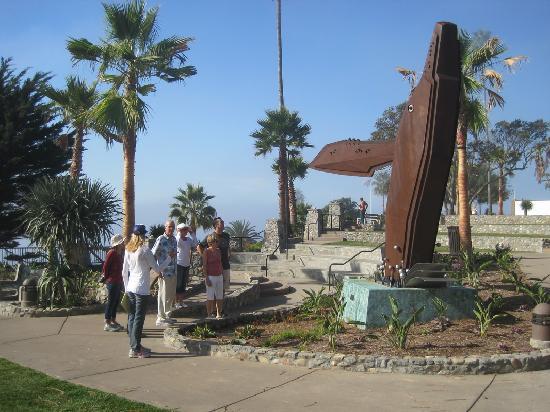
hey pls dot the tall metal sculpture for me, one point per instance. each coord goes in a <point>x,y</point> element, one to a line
<point>421,156</point>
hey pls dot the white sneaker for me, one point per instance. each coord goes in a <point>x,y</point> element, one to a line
<point>181,305</point>
<point>162,322</point>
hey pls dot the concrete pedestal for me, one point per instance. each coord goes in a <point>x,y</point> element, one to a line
<point>367,301</point>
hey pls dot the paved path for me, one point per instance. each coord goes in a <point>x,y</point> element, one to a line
<point>78,350</point>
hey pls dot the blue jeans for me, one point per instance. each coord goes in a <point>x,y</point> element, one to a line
<point>136,317</point>
<point>114,290</point>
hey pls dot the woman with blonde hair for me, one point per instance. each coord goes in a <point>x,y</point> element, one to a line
<point>138,261</point>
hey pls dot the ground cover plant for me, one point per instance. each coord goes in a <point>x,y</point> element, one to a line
<point>24,389</point>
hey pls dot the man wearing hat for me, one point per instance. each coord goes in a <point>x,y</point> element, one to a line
<point>186,240</point>
<point>166,247</point>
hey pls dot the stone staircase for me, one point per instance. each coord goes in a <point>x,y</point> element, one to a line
<point>306,261</point>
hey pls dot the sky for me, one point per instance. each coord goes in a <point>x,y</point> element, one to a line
<point>339,60</point>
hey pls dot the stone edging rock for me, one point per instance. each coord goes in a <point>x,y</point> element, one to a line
<point>425,365</point>
<point>13,310</point>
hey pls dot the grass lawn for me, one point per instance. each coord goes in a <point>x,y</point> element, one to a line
<point>24,389</point>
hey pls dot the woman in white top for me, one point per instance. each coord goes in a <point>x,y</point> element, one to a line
<point>138,261</point>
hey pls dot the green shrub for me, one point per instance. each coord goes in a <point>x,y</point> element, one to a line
<point>253,247</point>
<point>397,330</point>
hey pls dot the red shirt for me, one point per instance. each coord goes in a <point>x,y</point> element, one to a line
<point>112,267</point>
<point>213,262</point>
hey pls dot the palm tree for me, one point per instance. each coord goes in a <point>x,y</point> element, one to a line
<point>75,103</point>
<point>128,58</point>
<point>526,205</point>
<point>479,79</point>
<point>297,169</point>
<point>193,207</point>
<point>242,228</point>
<point>281,129</point>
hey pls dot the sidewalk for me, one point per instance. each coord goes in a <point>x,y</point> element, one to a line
<point>77,349</point>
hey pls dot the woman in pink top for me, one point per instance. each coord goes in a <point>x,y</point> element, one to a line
<point>212,269</point>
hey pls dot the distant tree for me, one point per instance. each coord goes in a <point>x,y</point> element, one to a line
<point>242,229</point>
<point>129,57</point>
<point>348,209</point>
<point>512,146</point>
<point>382,185</point>
<point>75,103</point>
<point>70,215</point>
<point>387,125</point>
<point>29,132</point>
<point>156,230</point>
<point>526,205</point>
<point>192,207</point>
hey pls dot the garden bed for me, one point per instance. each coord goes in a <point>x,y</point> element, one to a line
<point>297,337</point>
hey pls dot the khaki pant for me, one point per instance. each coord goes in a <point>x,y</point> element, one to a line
<point>167,296</point>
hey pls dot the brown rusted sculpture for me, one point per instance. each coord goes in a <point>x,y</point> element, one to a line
<point>421,156</point>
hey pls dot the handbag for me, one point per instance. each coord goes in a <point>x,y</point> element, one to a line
<point>125,302</point>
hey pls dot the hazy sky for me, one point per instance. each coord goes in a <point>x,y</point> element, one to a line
<point>339,73</point>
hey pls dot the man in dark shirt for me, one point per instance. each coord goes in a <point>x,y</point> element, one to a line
<point>223,244</point>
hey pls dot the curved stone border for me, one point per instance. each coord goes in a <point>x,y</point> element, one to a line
<point>424,365</point>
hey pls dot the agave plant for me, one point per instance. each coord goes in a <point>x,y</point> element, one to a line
<point>70,215</point>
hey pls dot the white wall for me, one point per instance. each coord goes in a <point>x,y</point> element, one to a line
<point>540,208</point>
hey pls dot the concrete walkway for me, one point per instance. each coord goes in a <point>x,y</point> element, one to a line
<point>76,349</point>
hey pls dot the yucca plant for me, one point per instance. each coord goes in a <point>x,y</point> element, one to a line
<point>55,284</point>
<point>203,332</point>
<point>70,215</point>
<point>485,314</point>
<point>398,331</point>
<point>536,292</point>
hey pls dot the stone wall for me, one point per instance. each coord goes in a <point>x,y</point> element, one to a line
<point>530,229</point>
<point>312,228</point>
<point>273,235</point>
<point>517,244</point>
<point>452,220</point>
<point>365,236</point>
<point>333,219</point>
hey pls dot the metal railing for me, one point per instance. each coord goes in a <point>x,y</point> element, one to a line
<point>34,254</point>
<point>269,255</point>
<point>330,275</point>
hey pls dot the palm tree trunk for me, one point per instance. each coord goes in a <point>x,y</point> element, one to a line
<point>464,227</point>
<point>128,189</point>
<point>500,190</point>
<point>76,162</point>
<point>292,201</point>
<point>280,58</point>
<point>283,184</point>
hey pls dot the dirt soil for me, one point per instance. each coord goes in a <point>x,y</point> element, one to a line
<point>457,338</point>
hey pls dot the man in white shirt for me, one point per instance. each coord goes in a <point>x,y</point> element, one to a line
<point>186,240</point>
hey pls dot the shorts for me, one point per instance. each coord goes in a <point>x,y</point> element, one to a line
<point>215,292</point>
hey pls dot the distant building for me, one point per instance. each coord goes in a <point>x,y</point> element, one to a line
<point>540,208</point>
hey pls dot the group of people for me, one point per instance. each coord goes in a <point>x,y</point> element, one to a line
<point>128,268</point>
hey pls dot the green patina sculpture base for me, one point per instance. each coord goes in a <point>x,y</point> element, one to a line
<point>366,302</point>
